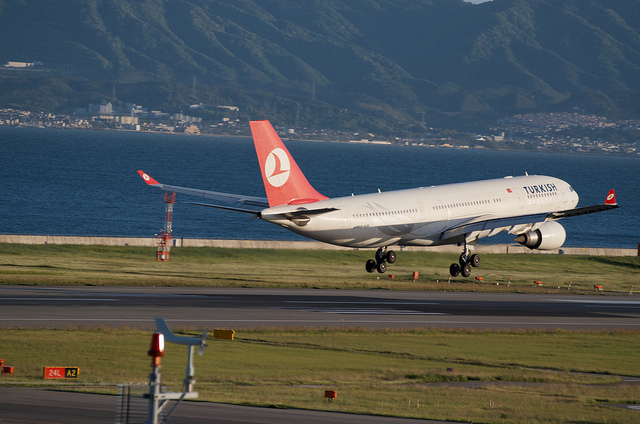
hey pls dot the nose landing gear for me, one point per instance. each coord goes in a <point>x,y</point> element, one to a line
<point>380,263</point>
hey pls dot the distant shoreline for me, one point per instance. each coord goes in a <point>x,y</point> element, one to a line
<point>287,137</point>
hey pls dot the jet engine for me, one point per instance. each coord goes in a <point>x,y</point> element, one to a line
<point>550,235</point>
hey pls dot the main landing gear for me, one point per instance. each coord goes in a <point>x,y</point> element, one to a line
<point>465,262</point>
<point>380,263</point>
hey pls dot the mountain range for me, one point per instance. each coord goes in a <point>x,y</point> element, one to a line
<point>377,64</point>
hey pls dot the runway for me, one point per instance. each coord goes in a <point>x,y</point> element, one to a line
<point>59,307</point>
<point>56,407</point>
<point>136,307</point>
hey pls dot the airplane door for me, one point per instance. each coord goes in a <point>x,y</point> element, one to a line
<point>346,217</point>
<point>521,196</point>
<point>564,195</point>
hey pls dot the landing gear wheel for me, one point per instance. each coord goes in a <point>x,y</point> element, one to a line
<point>380,255</point>
<point>466,270</point>
<point>380,262</point>
<point>391,256</point>
<point>370,265</point>
<point>465,262</point>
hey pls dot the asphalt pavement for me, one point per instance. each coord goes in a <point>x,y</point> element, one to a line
<point>58,307</point>
<point>40,306</point>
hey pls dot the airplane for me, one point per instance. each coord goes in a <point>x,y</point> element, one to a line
<point>527,206</point>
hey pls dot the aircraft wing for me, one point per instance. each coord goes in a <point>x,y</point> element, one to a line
<point>610,203</point>
<point>471,229</point>
<point>521,223</point>
<point>234,202</point>
<point>581,211</point>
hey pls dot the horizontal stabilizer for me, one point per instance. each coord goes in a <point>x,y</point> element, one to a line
<point>311,212</point>
<point>301,213</point>
<point>227,208</point>
<point>300,217</point>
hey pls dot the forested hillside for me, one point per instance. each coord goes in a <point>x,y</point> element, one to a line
<point>371,60</point>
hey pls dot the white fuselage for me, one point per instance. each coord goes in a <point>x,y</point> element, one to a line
<point>424,216</point>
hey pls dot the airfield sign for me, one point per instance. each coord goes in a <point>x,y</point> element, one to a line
<point>61,372</point>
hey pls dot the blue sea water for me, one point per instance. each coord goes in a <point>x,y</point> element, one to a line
<point>74,182</point>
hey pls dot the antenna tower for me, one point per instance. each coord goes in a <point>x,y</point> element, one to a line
<point>165,240</point>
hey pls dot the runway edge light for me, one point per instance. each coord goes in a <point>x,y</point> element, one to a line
<point>156,349</point>
<point>157,398</point>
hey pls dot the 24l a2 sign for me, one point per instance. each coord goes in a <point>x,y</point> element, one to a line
<point>61,372</point>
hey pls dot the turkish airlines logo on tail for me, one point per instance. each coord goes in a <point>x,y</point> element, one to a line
<point>277,167</point>
<point>611,198</point>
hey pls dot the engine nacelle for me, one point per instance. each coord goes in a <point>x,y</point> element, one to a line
<point>550,235</point>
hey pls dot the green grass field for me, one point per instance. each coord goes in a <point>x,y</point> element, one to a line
<point>497,377</point>
<point>218,267</point>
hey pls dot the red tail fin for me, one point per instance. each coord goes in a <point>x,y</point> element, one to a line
<point>283,181</point>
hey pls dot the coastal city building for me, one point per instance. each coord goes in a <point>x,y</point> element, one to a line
<point>551,132</point>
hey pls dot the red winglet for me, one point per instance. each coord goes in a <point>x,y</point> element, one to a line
<point>611,198</point>
<point>147,178</point>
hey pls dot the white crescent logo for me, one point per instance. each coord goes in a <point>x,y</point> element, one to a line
<point>277,167</point>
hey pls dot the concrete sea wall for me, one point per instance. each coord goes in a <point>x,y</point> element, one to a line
<point>270,244</point>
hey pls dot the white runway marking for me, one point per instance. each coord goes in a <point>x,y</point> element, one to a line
<point>603,302</point>
<point>58,299</point>
<point>360,307</point>
<point>377,302</point>
<point>373,311</point>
